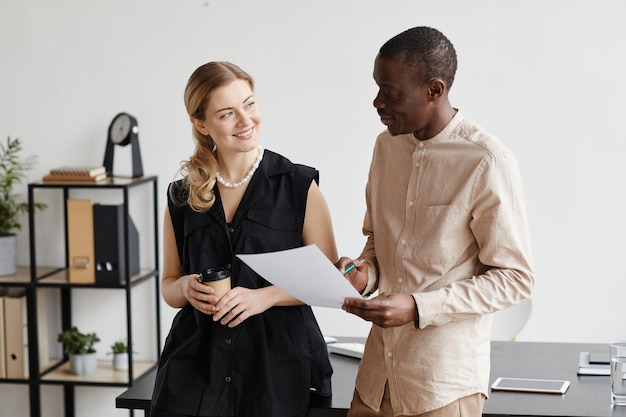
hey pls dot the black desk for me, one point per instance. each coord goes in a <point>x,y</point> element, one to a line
<point>588,396</point>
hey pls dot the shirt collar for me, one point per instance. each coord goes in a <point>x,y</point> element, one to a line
<point>447,131</point>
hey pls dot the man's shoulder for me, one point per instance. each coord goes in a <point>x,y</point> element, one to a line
<point>474,134</point>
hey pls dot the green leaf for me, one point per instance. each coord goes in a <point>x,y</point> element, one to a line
<point>13,171</point>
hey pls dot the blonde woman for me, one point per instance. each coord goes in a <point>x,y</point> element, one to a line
<point>256,351</point>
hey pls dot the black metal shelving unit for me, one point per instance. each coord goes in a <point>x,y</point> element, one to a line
<point>56,372</point>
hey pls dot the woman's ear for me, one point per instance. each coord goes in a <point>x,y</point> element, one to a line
<point>199,125</point>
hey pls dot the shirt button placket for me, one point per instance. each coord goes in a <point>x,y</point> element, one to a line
<point>228,379</point>
<point>389,355</point>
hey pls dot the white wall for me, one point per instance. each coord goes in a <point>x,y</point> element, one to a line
<point>546,76</point>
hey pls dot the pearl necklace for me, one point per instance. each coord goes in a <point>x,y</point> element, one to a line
<point>245,179</point>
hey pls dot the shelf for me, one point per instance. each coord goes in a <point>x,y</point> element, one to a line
<point>112,182</point>
<point>104,375</point>
<point>22,276</point>
<point>57,371</point>
<point>59,278</point>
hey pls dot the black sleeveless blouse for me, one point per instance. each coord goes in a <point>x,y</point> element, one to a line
<point>268,365</point>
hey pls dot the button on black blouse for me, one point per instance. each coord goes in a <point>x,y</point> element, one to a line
<point>267,365</point>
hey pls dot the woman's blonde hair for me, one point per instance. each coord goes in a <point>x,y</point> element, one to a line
<point>199,171</point>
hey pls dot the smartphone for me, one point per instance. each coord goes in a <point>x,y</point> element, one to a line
<point>550,386</point>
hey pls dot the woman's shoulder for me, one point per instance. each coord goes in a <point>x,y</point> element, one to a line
<point>177,192</point>
<point>279,164</point>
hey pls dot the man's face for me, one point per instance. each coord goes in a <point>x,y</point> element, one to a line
<point>402,101</point>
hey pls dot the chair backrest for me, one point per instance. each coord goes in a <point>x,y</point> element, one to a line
<point>508,323</point>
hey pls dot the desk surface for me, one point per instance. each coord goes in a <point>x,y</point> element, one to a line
<point>588,396</point>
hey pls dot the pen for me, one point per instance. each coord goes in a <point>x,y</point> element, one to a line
<point>349,268</point>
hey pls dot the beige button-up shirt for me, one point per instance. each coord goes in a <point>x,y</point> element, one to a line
<point>445,222</point>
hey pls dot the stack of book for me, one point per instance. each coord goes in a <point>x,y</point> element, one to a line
<point>77,174</point>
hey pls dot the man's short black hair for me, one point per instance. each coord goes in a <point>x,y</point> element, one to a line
<point>425,50</point>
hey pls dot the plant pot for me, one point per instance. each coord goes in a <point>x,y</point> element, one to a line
<point>8,254</point>
<point>120,361</point>
<point>83,365</point>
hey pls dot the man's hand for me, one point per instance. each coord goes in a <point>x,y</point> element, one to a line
<point>386,310</point>
<point>358,275</point>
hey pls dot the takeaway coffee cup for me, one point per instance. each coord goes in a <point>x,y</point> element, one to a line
<point>218,279</point>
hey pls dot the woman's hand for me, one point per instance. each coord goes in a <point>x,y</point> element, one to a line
<point>240,303</point>
<point>200,296</point>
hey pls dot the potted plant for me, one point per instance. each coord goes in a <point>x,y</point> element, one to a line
<point>12,173</point>
<point>80,348</point>
<point>119,349</point>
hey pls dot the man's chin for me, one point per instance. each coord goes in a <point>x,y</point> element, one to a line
<point>392,131</point>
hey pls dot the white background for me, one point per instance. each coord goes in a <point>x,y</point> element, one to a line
<point>546,76</point>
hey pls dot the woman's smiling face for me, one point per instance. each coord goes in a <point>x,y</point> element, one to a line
<point>232,117</point>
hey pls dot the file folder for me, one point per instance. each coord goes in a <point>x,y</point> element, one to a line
<point>3,366</point>
<point>42,326</point>
<point>80,242</point>
<point>16,337</point>
<point>111,248</point>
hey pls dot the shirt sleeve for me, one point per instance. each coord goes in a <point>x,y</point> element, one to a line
<point>369,252</point>
<point>499,225</point>
<point>372,279</point>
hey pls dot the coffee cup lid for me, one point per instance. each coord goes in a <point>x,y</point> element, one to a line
<point>215,274</point>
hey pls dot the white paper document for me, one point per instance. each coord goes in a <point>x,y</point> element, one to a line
<point>306,273</point>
